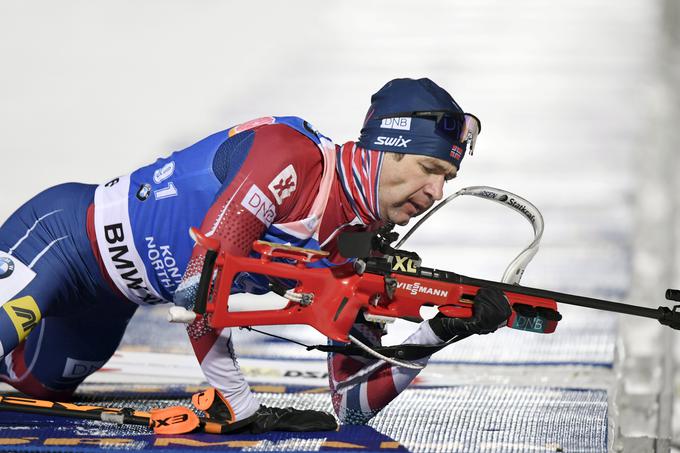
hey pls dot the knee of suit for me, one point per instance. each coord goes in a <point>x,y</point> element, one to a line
<point>32,387</point>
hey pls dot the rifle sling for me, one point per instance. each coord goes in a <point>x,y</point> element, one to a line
<point>400,352</point>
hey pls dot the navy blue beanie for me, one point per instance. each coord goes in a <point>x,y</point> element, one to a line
<point>385,131</point>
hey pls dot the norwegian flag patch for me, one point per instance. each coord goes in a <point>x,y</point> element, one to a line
<point>456,152</point>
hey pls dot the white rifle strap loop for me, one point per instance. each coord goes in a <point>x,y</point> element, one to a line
<point>379,356</point>
<point>513,273</point>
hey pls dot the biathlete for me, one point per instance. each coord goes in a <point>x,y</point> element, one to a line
<point>77,260</point>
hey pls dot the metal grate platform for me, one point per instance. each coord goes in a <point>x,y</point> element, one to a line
<point>453,419</point>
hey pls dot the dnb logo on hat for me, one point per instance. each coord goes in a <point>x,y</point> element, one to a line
<point>6,267</point>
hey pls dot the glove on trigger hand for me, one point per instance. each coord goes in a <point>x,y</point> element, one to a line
<point>491,309</point>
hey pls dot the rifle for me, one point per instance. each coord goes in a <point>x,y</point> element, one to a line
<point>384,283</point>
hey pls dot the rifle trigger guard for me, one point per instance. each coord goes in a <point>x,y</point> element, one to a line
<point>390,286</point>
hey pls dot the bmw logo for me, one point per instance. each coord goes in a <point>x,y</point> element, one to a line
<point>6,267</point>
<point>143,192</point>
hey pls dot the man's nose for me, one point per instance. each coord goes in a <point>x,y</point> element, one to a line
<point>435,188</point>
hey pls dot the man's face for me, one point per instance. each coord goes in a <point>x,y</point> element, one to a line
<point>408,187</point>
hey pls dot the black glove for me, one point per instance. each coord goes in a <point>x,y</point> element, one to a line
<point>289,419</point>
<point>491,309</point>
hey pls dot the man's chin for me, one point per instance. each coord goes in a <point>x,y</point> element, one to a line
<point>402,220</point>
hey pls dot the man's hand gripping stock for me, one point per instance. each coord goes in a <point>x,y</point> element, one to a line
<point>490,310</point>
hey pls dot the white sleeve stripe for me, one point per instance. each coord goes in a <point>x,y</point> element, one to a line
<point>39,255</point>
<point>23,238</point>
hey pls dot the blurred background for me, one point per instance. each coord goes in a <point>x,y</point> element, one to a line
<point>579,103</point>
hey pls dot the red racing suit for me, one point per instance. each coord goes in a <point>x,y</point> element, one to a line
<point>76,260</point>
<point>360,387</point>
